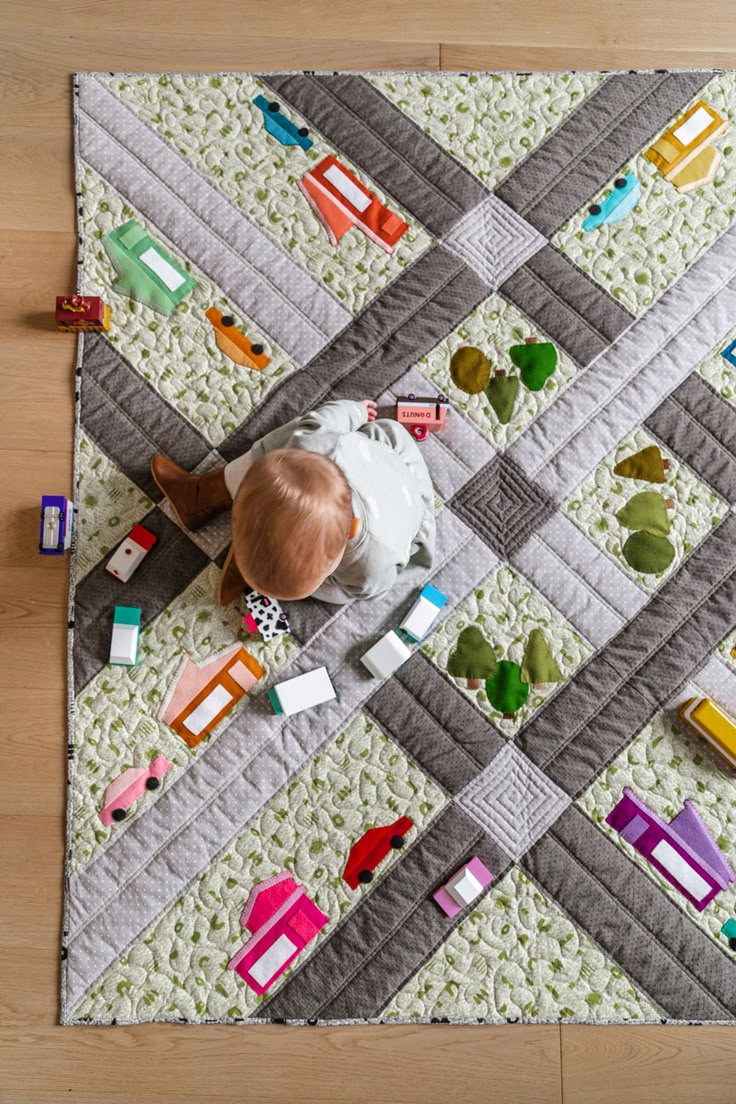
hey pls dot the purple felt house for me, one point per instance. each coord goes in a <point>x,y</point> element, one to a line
<point>683,851</point>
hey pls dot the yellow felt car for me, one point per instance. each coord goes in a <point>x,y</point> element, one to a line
<point>684,154</point>
<point>706,718</point>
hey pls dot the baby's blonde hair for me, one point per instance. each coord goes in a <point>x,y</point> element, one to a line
<point>291,521</point>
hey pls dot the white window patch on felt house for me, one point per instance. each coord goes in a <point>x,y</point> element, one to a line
<point>345,186</point>
<point>274,958</point>
<point>162,268</point>
<point>693,126</point>
<point>207,710</point>
<point>681,871</point>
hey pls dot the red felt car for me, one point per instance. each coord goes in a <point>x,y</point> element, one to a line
<point>372,848</point>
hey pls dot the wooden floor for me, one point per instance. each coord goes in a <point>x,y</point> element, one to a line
<point>41,43</point>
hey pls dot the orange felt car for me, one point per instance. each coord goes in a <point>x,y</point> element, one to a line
<point>234,344</point>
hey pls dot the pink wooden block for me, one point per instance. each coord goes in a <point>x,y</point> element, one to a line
<point>478,870</point>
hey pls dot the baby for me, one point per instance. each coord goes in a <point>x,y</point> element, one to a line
<point>335,504</point>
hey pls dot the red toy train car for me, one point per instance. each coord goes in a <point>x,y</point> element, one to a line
<point>422,416</point>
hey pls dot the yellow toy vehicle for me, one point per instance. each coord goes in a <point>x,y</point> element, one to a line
<point>684,154</point>
<point>706,718</point>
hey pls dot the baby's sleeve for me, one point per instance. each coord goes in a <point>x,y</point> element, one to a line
<point>317,431</point>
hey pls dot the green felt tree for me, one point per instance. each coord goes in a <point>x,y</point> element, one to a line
<point>501,393</point>
<point>506,692</point>
<point>473,658</point>
<point>470,369</point>
<point>536,361</point>
<point>648,553</point>
<point>646,511</point>
<point>538,665</point>
<point>647,464</point>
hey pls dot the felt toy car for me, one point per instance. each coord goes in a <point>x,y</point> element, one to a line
<point>340,201</point>
<point>710,722</point>
<point>684,154</point>
<point>234,344</point>
<point>422,416</point>
<point>283,920</point>
<point>81,314</point>
<point>281,128</point>
<point>617,204</point>
<point>57,517</point>
<point>372,848</point>
<point>683,850</point>
<point>129,786</point>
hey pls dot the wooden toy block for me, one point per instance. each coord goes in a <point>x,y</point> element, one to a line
<point>386,656</point>
<point>125,631</point>
<point>464,887</point>
<point>128,556</point>
<point>81,313</point>
<point>234,344</point>
<point>302,692</point>
<point>57,518</point>
<point>713,724</point>
<point>422,614</point>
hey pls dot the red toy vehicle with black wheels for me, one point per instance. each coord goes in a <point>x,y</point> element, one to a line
<point>372,848</point>
<point>422,416</point>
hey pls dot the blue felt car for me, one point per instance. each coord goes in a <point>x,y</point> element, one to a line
<point>281,128</point>
<point>618,203</point>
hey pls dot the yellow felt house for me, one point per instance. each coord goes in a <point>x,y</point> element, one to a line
<point>684,153</point>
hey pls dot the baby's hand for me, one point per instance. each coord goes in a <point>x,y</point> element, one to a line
<point>371,407</point>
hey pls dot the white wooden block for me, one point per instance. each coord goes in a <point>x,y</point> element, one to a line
<point>422,614</point>
<point>464,887</point>
<point>126,559</point>
<point>303,691</point>
<point>386,656</point>
<point>124,644</point>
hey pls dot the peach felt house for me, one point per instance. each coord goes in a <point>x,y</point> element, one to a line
<point>201,694</point>
<point>283,920</point>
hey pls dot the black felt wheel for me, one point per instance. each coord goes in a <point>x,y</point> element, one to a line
<point>365,876</point>
<point>152,783</point>
<point>227,320</point>
<point>118,814</point>
<point>620,182</point>
<point>273,106</point>
<point>595,209</point>
<point>397,842</point>
<point>256,349</point>
<point>303,131</point>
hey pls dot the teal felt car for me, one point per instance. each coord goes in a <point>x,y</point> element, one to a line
<point>618,203</point>
<point>281,128</point>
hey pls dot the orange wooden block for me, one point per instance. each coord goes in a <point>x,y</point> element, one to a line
<point>217,698</point>
<point>234,344</point>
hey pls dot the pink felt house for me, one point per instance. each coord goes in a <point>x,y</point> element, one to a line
<point>283,920</point>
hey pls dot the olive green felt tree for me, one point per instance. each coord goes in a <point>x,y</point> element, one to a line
<point>506,692</point>
<point>470,369</point>
<point>648,553</point>
<point>646,511</point>
<point>538,665</point>
<point>473,658</point>
<point>647,464</point>
<point>501,393</point>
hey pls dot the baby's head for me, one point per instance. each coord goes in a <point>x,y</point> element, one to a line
<point>292,517</point>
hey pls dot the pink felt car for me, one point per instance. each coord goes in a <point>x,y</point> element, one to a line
<point>283,920</point>
<point>129,786</point>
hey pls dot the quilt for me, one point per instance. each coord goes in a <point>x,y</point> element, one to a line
<point>529,814</point>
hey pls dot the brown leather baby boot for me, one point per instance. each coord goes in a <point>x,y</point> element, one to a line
<point>231,584</point>
<point>196,499</point>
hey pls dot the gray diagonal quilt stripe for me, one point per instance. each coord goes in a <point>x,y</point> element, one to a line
<point>281,298</point>
<point>130,421</point>
<point>700,427</point>
<point>582,155</point>
<point>577,734</point>
<point>123,889</point>
<point>403,323</point>
<point>629,381</point>
<point>435,724</point>
<point>353,115</point>
<point>382,942</point>
<point>683,971</point>
<point>570,307</point>
<point>150,588</point>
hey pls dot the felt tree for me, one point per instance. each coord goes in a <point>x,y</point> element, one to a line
<point>538,665</point>
<point>473,658</point>
<point>648,553</point>
<point>506,692</point>
<point>501,393</point>
<point>536,361</point>
<point>646,511</point>
<point>647,464</point>
<point>470,369</point>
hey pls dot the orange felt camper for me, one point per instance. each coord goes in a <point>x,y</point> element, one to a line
<point>234,344</point>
